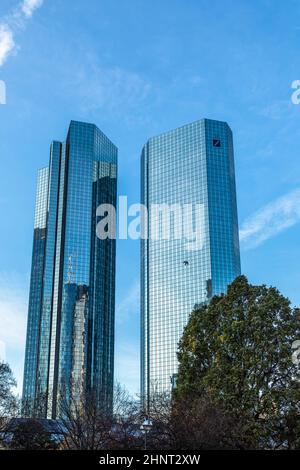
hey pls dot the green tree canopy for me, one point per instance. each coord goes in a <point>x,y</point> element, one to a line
<point>238,349</point>
<point>8,401</point>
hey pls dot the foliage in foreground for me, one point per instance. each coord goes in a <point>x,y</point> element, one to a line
<point>31,434</point>
<point>237,388</point>
<point>238,351</point>
<point>9,405</point>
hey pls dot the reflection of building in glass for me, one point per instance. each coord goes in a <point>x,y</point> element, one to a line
<point>73,350</point>
<point>193,164</point>
<point>78,371</point>
<point>70,332</point>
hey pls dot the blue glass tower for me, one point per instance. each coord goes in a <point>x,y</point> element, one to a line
<point>189,166</point>
<point>70,332</point>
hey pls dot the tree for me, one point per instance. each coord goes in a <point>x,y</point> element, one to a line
<point>162,434</point>
<point>126,421</point>
<point>8,402</point>
<point>199,423</point>
<point>30,434</point>
<point>192,423</point>
<point>86,425</point>
<point>83,424</point>
<point>238,349</point>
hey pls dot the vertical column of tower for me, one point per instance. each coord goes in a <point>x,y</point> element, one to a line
<point>45,323</point>
<point>36,294</point>
<point>145,360</point>
<point>222,207</point>
<point>57,282</point>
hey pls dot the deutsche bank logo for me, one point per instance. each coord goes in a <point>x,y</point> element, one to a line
<point>2,92</point>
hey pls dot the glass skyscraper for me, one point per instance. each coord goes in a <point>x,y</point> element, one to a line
<point>191,165</point>
<point>70,331</point>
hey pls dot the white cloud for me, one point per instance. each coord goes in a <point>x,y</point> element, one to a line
<point>130,305</point>
<point>13,22</point>
<point>271,219</point>
<point>115,92</point>
<point>6,42</point>
<point>127,353</point>
<point>13,317</point>
<point>278,110</point>
<point>2,351</point>
<point>28,6</point>
<point>127,366</point>
<point>119,91</point>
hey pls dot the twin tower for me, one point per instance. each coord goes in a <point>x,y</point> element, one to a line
<point>71,315</point>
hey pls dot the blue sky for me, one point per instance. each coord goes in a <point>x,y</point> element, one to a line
<point>137,68</point>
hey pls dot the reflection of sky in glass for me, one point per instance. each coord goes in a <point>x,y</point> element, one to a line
<point>75,303</point>
<point>185,166</point>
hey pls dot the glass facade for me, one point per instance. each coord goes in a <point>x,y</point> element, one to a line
<point>70,333</point>
<point>193,164</point>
